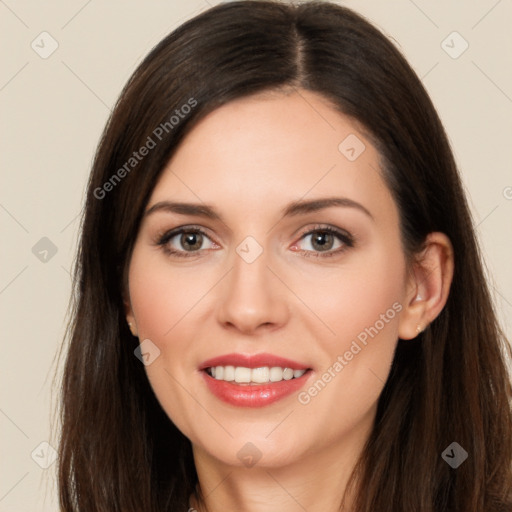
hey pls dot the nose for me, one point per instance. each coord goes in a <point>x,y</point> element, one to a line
<point>252,297</point>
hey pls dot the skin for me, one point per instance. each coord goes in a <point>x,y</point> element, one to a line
<point>249,159</point>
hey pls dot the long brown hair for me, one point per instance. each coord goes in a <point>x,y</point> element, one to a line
<point>119,451</point>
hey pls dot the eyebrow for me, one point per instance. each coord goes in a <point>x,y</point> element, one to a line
<point>293,209</point>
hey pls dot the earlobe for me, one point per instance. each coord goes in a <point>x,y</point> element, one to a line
<point>132,325</point>
<point>428,286</point>
<point>413,319</point>
<point>133,328</point>
<point>130,318</point>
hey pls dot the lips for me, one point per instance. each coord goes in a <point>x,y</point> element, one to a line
<point>252,361</point>
<point>250,394</point>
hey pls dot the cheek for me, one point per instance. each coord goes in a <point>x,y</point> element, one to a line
<point>368,303</point>
<point>162,300</point>
<point>362,296</point>
<point>362,309</point>
<point>161,296</point>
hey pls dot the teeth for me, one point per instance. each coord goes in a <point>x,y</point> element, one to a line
<point>260,375</point>
<point>287,374</point>
<point>229,373</point>
<point>276,374</point>
<point>243,375</point>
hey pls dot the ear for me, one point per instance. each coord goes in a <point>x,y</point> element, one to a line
<point>128,310</point>
<point>130,317</point>
<point>428,286</point>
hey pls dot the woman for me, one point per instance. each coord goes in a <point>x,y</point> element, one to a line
<point>280,300</point>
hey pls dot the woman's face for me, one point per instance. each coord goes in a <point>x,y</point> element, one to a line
<point>263,285</point>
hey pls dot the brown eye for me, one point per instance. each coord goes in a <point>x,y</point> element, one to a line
<point>191,241</point>
<point>324,241</point>
<point>185,242</point>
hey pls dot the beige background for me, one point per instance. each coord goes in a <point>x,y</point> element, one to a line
<point>52,113</point>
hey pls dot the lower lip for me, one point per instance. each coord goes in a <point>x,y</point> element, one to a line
<point>253,395</point>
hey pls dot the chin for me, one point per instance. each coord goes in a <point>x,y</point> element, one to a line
<point>255,449</point>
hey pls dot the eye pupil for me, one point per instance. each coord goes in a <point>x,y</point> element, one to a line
<point>193,239</point>
<point>319,240</point>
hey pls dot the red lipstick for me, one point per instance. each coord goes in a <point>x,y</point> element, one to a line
<point>253,395</point>
<point>252,361</point>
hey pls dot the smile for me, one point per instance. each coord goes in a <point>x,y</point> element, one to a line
<point>243,375</point>
<point>253,380</point>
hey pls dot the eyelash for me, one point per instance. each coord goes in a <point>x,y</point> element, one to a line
<point>346,238</point>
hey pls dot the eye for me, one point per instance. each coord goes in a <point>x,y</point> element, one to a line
<point>325,239</point>
<point>181,241</point>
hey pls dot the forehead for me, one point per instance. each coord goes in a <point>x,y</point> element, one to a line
<point>265,151</point>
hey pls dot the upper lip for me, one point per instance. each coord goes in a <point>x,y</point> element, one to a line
<point>252,361</point>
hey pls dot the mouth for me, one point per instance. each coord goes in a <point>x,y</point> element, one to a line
<point>253,380</point>
<point>253,376</point>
